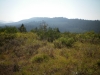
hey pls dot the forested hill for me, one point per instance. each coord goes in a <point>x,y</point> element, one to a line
<point>64,24</point>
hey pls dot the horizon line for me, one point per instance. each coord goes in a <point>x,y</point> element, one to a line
<point>2,21</point>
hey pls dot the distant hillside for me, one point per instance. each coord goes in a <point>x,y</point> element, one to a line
<point>64,24</point>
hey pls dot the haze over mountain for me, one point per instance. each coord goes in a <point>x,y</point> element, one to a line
<point>16,10</point>
<point>64,24</point>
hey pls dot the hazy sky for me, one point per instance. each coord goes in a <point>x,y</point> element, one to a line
<point>15,10</point>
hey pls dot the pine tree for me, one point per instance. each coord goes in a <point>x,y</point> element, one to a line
<point>22,28</point>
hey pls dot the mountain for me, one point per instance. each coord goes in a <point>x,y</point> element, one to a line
<point>64,24</point>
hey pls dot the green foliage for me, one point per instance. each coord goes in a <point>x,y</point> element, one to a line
<point>7,33</point>
<point>9,29</point>
<point>22,28</point>
<point>90,37</point>
<point>57,44</point>
<point>60,54</point>
<point>49,34</point>
<point>61,42</point>
<point>52,34</point>
<point>40,58</point>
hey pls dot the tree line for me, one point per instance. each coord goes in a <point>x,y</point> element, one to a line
<point>51,35</point>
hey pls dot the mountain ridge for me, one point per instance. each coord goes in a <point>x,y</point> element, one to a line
<point>64,24</point>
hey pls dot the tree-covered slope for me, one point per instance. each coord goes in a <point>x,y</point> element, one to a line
<point>64,24</point>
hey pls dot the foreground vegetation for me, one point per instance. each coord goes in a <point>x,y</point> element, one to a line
<point>46,51</point>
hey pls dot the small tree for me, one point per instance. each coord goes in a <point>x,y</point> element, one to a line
<point>47,33</point>
<point>22,28</point>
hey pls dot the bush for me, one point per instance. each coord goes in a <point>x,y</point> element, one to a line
<point>40,58</point>
<point>7,33</point>
<point>61,42</point>
<point>5,37</point>
<point>9,29</point>
<point>90,37</point>
<point>57,44</point>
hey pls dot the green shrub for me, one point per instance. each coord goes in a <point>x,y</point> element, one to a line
<point>5,37</point>
<point>70,42</point>
<point>40,58</point>
<point>58,44</point>
<point>90,37</point>
<point>9,29</point>
<point>7,33</point>
<point>61,42</point>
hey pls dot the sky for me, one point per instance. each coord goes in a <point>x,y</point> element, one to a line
<point>16,10</point>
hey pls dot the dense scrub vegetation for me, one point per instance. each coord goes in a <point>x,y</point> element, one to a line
<point>46,51</point>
